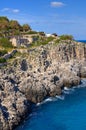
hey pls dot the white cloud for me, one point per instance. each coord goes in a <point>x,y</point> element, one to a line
<point>57,4</point>
<point>10,10</point>
<point>15,10</point>
<point>5,9</point>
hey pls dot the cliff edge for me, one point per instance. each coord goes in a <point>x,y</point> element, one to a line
<point>37,74</point>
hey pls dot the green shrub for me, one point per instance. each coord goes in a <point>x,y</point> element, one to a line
<point>36,38</point>
<point>57,41</point>
<point>32,32</point>
<point>42,33</point>
<point>42,41</point>
<point>3,52</point>
<point>2,60</point>
<point>66,37</point>
<point>49,39</point>
<point>5,43</point>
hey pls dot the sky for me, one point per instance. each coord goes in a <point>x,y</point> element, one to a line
<point>50,16</point>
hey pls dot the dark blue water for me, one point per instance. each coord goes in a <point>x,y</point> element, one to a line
<point>84,41</point>
<point>68,113</point>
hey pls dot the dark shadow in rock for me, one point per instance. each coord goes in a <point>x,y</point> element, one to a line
<point>1,125</point>
<point>55,79</point>
<point>12,81</point>
<point>24,65</point>
<point>16,89</point>
<point>4,111</point>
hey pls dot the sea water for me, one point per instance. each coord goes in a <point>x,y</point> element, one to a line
<point>83,41</point>
<point>66,112</point>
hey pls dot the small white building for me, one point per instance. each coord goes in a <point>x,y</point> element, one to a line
<point>48,35</point>
<point>51,35</point>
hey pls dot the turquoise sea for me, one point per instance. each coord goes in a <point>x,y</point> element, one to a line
<point>66,112</point>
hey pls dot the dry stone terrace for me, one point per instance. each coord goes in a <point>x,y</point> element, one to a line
<point>18,41</point>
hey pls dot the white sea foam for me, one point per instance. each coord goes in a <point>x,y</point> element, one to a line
<point>69,90</point>
<point>62,97</point>
<point>65,91</point>
<point>66,88</point>
<point>38,104</point>
<point>82,85</point>
<point>50,99</point>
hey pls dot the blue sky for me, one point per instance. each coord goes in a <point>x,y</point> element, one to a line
<point>60,16</point>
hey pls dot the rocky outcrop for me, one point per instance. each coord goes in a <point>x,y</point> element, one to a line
<point>13,103</point>
<point>9,55</point>
<point>44,72</point>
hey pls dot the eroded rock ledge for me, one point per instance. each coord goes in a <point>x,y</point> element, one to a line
<point>44,72</point>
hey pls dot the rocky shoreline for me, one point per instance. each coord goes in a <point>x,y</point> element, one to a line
<point>43,72</point>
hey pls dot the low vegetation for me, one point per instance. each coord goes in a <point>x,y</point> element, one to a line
<point>31,32</point>
<point>5,43</point>
<point>42,41</point>
<point>66,37</point>
<point>41,33</point>
<point>9,28</point>
<point>12,27</point>
<point>2,60</point>
<point>3,52</point>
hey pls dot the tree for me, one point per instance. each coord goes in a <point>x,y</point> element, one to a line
<point>14,27</point>
<point>13,24</point>
<point>26,27</point>
<point>4,25</point>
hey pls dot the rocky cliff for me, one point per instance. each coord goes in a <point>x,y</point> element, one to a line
<point>44,71</point>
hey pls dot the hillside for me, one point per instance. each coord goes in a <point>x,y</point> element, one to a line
<point>14,37</point>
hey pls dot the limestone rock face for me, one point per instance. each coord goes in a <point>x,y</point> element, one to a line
<point>44,72</point>
<point>13,105</point>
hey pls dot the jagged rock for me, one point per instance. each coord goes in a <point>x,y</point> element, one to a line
<point>82,72</point>
<point>44,72</point>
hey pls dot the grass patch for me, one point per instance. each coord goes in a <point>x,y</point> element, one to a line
<point>66,37</point>
<point>5,43</point>
<point>57,41</point>
<point>31,32</point>
<point>3,52</point>
<point>42,41</point>
<point>2,60</point>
